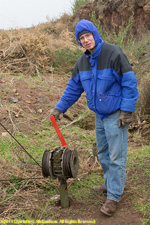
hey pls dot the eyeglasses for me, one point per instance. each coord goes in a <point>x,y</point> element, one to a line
<point>87,36</point>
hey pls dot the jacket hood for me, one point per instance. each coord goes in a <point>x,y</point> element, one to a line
<point>87,25</point>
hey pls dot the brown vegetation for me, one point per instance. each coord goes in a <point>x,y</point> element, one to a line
<point>30,51</point>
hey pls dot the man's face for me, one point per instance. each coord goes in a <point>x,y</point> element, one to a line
<point>87,41</point>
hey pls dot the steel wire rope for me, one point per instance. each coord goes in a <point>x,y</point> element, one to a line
<point>21,145</point>
<point>28,178</point>
<point>67,169</point>
<point>67,156</point>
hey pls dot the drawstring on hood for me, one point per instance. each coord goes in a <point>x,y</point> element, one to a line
<point>94,56</point>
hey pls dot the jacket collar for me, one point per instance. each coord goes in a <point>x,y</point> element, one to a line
<point>94,56</point>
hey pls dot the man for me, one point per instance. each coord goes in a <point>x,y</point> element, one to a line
<point>106,76</point>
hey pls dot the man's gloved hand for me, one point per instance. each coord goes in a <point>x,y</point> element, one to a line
<point>55,112</point>
<point>125,118</point>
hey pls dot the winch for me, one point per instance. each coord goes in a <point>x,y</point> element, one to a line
<point>60,163</point>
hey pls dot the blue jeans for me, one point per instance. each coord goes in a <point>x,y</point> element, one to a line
<point>112,143</point>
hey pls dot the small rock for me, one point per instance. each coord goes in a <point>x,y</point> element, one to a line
<point>56,197</point>
<point>28,101</point>
<point>12,99</point>
<point>14,90</point>
<point>40,111</point>
<point>90,151</point>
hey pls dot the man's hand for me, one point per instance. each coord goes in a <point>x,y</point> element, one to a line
<point>55,112</point>
<point>125,118</point>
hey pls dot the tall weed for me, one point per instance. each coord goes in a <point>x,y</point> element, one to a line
<point>119,38</point>
<point>141,46</point>
<point>103,33</point>
<point>76,5</point>
<point>123,35</point>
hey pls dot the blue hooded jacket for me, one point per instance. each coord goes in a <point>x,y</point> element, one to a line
<point>106,76</point>
<point>87,25</point>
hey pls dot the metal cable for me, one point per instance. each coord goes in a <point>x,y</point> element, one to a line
<point>29,178</point>
<point>20,145</point>
<point>67,169</point>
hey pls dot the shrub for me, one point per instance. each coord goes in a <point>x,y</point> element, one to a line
<point>123,35</point>
<point>120,38</point>
<point>30,51</point>
<point>65,59</point>
<point>76,5</point>
<point>145,95</point>
<point>104,35</point>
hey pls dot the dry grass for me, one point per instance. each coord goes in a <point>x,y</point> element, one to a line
<point>19,195</point>
<point>31,198</point>
<point>145,94</point>
<point>29,51</point>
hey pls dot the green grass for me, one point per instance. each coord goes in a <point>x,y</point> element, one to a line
<point>9,146</point>
<point>81,189</point>
<point>43,138</point>
<point>146,222</point>
<point>16,184</point>
<point>138,165</point>
<point>5,150</point>
<point>144,208</point>
<point>139,157</point>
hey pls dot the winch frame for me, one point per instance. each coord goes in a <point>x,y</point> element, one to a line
<point>60,163</point>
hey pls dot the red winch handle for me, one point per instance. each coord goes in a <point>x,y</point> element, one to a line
<point>61,138</point>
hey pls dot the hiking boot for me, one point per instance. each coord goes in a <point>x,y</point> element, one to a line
<point>100,188</point>
<point>109,207</point>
